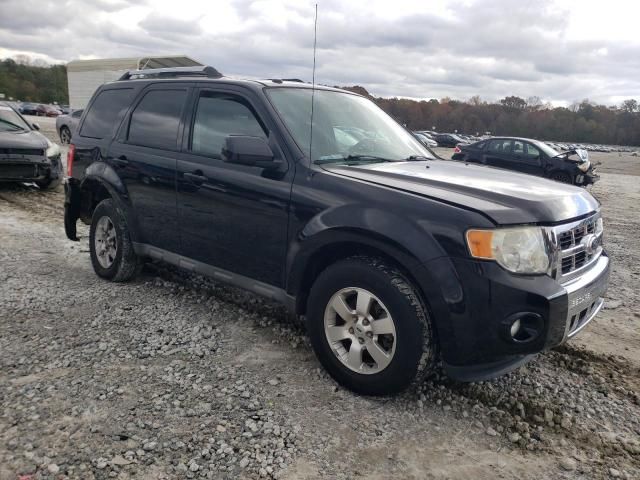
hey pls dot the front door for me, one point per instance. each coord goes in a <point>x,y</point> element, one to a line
<point>233,217</point>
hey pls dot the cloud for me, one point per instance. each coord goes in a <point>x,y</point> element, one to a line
<point>455,48</point>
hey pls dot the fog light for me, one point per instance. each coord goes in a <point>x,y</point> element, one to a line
<point>522,327</point>
<point>515,328</point>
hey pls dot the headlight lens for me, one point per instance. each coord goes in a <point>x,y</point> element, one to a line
<point>53,150</point>
<point>518,249</point>
<point>584,166</point>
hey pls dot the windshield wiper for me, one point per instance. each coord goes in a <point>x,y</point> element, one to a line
<point>353,158</point>
<point>417,157</point>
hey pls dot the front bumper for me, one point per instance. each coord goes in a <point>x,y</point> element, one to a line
<point>473,319</point>
<point>589,178</point>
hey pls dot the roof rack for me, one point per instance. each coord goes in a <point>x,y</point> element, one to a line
<point>200,71</point>
<point>280,80</point>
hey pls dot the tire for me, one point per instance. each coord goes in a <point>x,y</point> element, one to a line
<point>409,347</point>
<point>49,184</point>
<point>119,263</point>
<point>562,177</point>
<point>65,135</point>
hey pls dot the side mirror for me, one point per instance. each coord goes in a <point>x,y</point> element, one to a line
<point>35,125</point>
<point>250,151</point>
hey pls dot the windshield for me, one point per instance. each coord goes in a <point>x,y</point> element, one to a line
<point>346,128</point>
<point>10,120</point>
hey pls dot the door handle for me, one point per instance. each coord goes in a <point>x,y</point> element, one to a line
<point>195,177</point>
<point>121,161</point>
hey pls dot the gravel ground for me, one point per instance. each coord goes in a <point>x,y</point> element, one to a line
<point>175,376</point>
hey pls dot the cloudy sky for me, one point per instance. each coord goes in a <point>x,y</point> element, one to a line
<point>558,50</point>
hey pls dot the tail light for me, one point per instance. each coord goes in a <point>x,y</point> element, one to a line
<point>457,150</point>
<point>70,155</point>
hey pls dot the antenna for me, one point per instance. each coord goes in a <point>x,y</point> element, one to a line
<point>313,78</point>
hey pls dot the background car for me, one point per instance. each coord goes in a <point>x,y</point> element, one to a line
<point>425,139</point>
<point>66,125</point>
<point>28,108</point>
<point>448,139</point>
<point>47,111</point>
<point>530,156</point>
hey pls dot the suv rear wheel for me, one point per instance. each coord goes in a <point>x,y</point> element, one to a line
<point>368,326</point>
<point>112,254</point>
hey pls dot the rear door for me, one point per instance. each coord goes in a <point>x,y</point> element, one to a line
<point>498,153</point>
<point>232,216</point>
<point>144,155</point>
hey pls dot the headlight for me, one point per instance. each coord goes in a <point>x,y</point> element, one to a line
<point>518,249</point>
<point>584,166</point>
<point>53,150</point>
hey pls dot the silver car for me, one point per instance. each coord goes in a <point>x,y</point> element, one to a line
<point>66,125</point>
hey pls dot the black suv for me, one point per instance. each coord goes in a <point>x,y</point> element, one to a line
<point>530,156</point>
<point>316,198</point>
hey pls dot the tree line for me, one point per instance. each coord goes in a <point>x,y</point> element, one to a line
<point>23,78</point>
<point>30,80</point>
<point>582,122</point>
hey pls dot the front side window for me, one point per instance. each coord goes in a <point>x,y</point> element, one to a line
<point>10,121</point>
<point>77,113</point>
<point>155,120</point>
<point>105,113</point>
<point>532,152</point>
<point>345,127</point>
<point>217,117</point>
<point>518,148</point>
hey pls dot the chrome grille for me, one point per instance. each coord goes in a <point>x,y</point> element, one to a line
<point>575,247</point>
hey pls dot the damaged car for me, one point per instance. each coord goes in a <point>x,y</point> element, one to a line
<point>25,154</point>
<point>532,157</point>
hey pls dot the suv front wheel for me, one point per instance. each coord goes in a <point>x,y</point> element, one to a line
<point>110,246</point>
<point>369,327</point>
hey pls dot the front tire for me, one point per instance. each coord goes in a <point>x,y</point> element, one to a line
<point>369,327</point>
<point>562,177</point>
<point>110,246</point>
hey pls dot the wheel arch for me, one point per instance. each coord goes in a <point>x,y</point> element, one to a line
<point>339,244</point>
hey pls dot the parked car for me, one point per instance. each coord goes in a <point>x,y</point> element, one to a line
<point>425,140</point>
<point>66,125</point>
<point>28,108</point>
<point>25,154</point>
<point>47,111</point>
<point>397,261</point>
<point>532,157</point>
<point>448,140</point>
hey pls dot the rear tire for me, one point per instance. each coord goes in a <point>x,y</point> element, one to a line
<point>562,177</point>
<point>378,349</point>
<point>110,246</point>
<point>65,135</point>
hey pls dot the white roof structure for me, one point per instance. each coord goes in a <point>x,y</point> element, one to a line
<point>85,76</point>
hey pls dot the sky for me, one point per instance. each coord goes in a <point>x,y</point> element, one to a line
<point>559,50</point>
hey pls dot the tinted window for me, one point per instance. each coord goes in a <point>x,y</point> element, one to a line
<point>220,115</point>
<point>500,146</point>
<point>106,112</point>
<point>155,120</point>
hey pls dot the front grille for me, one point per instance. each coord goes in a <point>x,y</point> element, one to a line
<point>578,244</point>
<point>22,151</point>
<point>18,171</point>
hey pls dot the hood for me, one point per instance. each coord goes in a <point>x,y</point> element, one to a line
<point>504,196</point>
<point>23,140</point>
<point>583,155</point>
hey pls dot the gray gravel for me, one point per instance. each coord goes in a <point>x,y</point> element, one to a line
<point>174,376</point>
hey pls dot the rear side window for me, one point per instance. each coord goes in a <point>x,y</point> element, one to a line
<point>77,113</point>
<point>105,113</point>
<point>155,120</point>
<point>500,146</point>
<point>218,116</point>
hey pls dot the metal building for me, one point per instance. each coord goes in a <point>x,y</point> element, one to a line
<point>85,76</point>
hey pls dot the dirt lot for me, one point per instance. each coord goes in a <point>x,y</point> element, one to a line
<point>174,376</point>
